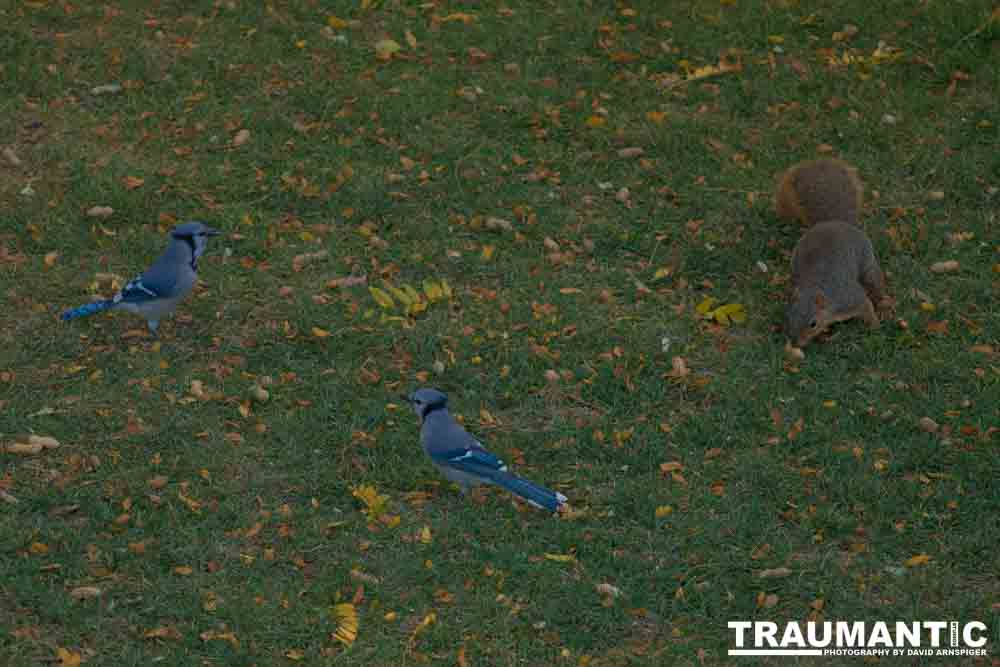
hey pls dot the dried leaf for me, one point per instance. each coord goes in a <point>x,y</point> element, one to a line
<point>382,298</point>
<point>774,573</point>
<point>85,592</point>
<point>915,561</point>
<point>346,617</point>
<point>384,48</point>
<point>948,266</point>
<point>561,558</point>
<point>458,16</point>
<point>68,658</point>
<point>100,212</point>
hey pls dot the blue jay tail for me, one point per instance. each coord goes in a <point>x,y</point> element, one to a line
<point>538,496</point>
<point>88,309</point>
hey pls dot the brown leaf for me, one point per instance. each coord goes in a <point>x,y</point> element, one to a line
<point>774,573</point>
<point>937,327</point>
<point>796,429</point>
<point>948,266</point>
<point>133,182</point>
<point>85,592</point>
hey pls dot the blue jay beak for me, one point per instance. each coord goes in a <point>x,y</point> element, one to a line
<point>209,231</point>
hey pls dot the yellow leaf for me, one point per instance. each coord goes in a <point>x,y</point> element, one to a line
<point>705,306</point>
<point>412,293</point>
<point>446,288</point>
<point>432,290</point>
<point>664,510</point>
<point>295,654</point>
<point>336,23</point>
<point>410,39</point>
<point>561,558</point>
<point>68,658</point>
<point>384,48</point>
<point>458,16</point>
<point>402,296</point>
<point>919,559</point>
<point>416,308</point>
<point>320,333</point>
<point>346,617</point>
<point>732,311</point>
<point>488,251</point>
<point>596,121</point>
<point>425,622</point>
<point>425,535</point>
<point>656,116</point>
<point>382,298</point>
<point>162,632</point>
<point>663,272</point>
<point>375,503</point>
<point>50,258</point>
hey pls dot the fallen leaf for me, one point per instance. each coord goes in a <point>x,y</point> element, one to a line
<point>24,448</point>
<point>608,589</point>
<point>346,618</point>
<point>68,658</point>
<point>384,48</point>
<point>458,16</point>
<point>241,137</point>
<point>45,441</point>
<point>927,424</point>
<point>948,266</point>
<point>774,573</point>
<point>133,182</point>
<point>919,559</point>
<point>382,298</point>
<point>162,632</point>
<point>561,558</point>
<point>85,592</point>
<point>100,212</point>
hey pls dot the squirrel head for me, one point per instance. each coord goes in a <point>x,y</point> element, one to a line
<point>806,316</point>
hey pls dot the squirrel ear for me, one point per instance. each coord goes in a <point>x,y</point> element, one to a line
<point>820,300</point>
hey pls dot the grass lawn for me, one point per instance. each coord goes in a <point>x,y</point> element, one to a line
<point>248,489</point>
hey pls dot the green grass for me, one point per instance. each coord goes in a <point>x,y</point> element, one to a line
<point>843,505</point>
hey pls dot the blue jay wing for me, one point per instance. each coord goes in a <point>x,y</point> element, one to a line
<point>477,462</point>
<point>142,289</point>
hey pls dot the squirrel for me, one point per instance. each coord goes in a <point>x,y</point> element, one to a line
<point>835,275</point>
<point>820,190</point>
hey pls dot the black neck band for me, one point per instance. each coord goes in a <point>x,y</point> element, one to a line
<point>194,255</point>
<point>433,408</point>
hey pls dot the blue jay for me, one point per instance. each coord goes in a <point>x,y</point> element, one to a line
<point>156,293</point>
<point>462,459</point>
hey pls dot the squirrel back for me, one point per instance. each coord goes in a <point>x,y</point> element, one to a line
<point>820,190</point>
<point>835,277</point>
